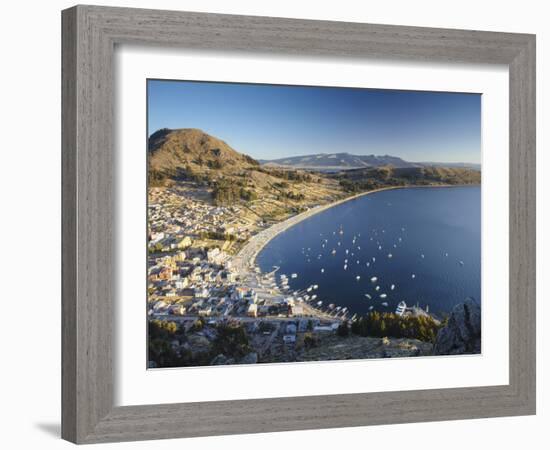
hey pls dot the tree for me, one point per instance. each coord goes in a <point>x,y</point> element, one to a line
<point>343,329</point>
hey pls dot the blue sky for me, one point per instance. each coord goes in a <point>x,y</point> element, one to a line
<point>270,121</point>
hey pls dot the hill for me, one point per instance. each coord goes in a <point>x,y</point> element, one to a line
<point>182,153</point>
<point>203,162</point>
<point>358,180</point>
<point>338,161</point>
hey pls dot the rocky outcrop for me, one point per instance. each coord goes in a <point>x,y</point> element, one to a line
<point>221,359</point>
<point>462,334</point>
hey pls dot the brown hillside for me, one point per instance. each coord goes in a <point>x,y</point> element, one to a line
<point>173,152</point>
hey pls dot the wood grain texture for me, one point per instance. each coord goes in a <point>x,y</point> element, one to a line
<point>89,37</point>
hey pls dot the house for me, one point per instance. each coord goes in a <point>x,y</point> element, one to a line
<point>184,243</point>
<point>252,310</point>
<point>289,338</point>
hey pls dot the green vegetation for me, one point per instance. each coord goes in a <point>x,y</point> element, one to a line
<point>217,236</point>
<point>368,179</point>
<point>376,324</point>
<point>231,341</point>
<point>227,192</point>
<point>167,344</point>
<point>343,329</point>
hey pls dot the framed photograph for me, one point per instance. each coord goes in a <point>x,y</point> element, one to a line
<point>278,224</point>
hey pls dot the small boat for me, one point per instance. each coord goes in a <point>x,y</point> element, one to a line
<point>384,303</point>
<point>315,286</point>
<point>357,261</point>
<point>309,289</point>
<point>322,270</point>
<point>368,264</point>
<point>379,247</point>
<point>319,303</point>
<point>358,248</point>
<point>373,259</point>
<point>374,279</point>
<point>461,263</point>
<point>401,307</point>
<point>400,239</point>
<point>446,254</point>
<point>371,308</point>
<point>306,297</point>
<point>422,255</point>
<point>314,296</point>
<point>377,288</point>
<point>368,296</point>
<point>383,295</point>
<point>413,276</point>
<point>345,267</point>
<point>331,306</point>
<point>345,261</point>
<point>392,287</point>
<point>347,251</point>
<point>333,252</point>
<point>358,277</point>
<point>294,275</point>
<point>390,255</point>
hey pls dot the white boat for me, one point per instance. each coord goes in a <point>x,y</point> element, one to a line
<point>319,303</point>
<point>306,297</point>
<point>333,252</point>
<point>358,277</point>
<point>461,263</point>
<point>368,264</point>
<point>377,288</point>
<point>392,287</point>
<point>384,303</point>
<point>315,286</point>
<point>371,308</point>
<point>373,259</point>
<point>294,275</point>
<point>368,296</point>
<point>309,289</point>
<point>422,255</point>
<point>401,307</point>
<point>345,261</point>
<point>390,255</point>
<point>374,279</point>
<point>345,266</point>
<point>331,306</point>
<point>383,295</point>
<point>347,251</point>
<point>322,270</point>
<point>313,297</point>
<point>413,276</point>
<point>379,247</point>
<point>357,261</point>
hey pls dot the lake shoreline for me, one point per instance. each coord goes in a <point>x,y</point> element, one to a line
<point>246,258</point>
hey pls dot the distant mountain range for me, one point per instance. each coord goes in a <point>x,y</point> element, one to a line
<point>346,161</point>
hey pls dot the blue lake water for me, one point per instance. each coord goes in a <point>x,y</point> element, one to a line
<point>431,233</point>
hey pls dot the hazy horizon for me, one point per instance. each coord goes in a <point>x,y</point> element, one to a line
<point>273,121</point>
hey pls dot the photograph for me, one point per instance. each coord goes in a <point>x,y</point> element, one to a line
<point>303,223</point>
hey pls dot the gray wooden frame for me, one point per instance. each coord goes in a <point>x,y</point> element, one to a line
<point>90,34</point>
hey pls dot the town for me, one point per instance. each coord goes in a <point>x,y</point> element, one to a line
<point>193,281</point>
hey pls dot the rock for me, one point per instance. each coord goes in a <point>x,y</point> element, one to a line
<point>221,360</point>
<point>462,334</point>
<point>251,358</point>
